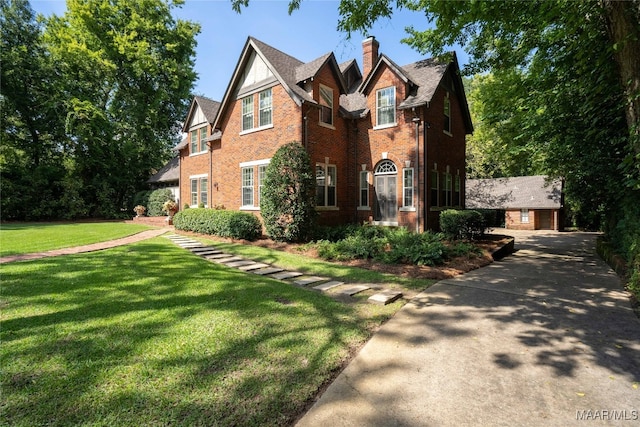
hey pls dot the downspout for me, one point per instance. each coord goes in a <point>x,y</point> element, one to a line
<point>210,145</point>
<point>357,174</point>
<point>425,128</point>
<point>416,120</point>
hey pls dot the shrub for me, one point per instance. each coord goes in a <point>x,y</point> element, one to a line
<point>389,245</point>
<point>462,224</point>
<point>287,202</point>
<point>232,224</point>
<point>157,198</point>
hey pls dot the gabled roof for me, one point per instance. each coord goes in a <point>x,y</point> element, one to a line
<point>289,71</point>
<point>209,108</point>
<point>384,59</point>
<point>521,192</point>
<point>168,173</point>
<point>424,77</point>
<point>310,69</point>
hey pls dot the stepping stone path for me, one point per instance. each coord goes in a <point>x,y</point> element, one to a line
<point>322,284</point>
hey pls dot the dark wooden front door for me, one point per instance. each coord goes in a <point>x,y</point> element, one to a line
<point>386,198</point>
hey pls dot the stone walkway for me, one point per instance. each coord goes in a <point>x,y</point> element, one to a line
<point>297,278</point>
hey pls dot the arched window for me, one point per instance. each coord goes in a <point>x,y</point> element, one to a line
<point>386,167</point>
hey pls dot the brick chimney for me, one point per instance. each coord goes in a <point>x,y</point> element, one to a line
<point>369,55</point>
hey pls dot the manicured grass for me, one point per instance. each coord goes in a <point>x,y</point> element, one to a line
<point>305,264</point>
<point>24,238</point>
<point>150,334</point>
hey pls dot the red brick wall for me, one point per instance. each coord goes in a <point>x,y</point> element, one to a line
<point>347,144</point>
<point>330,142</point>
<point>197,164</point>
<point>234,148</point>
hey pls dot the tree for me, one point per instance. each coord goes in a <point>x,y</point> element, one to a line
<point>32,158</point>
<point>287,202</point>
<point>128,68</point>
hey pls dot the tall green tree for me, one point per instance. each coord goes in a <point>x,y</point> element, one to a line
<point>32,157</point>
<point>128,65</point>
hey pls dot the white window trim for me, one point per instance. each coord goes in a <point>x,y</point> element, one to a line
<point>522,216</point>
<point>260,109</point>
<point>326,166</point>
<point>360,188</point>
<point>242,113</point>
<point>320,122</point>
<point>395,113</point>
<point>197,178</point>
<point>447,100</point>
<point>413,190</point>
<point>258,129</point>
<point>242,187</point>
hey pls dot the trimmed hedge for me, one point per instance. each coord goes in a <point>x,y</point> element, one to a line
<point>467,224</point>
<point>232,224</point>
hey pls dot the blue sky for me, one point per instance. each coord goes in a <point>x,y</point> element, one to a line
<point>306,34</point>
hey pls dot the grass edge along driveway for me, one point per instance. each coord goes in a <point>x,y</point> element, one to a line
<point>149,334</point>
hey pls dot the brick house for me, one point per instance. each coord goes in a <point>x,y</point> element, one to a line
<point>387,143</point>
<point>528,202</point>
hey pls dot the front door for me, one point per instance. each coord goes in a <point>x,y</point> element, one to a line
<point>386,198</point>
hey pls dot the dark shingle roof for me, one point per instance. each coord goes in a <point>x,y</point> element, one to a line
<point>427,75</point>
<point>310,69</point>
<point>285,67</point>
<point>169,172</point>
<point>208,106</point>
<point>532,192</point>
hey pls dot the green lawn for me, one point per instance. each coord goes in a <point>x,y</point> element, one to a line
<point>299,262</point>
<point>149,334</point>
<point>24,238</point>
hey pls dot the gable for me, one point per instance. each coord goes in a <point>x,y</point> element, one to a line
<point>197,118</point>
<point>255,75</point>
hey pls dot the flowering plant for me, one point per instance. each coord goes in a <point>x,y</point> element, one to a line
<point>139,210</point>
<point>169,206</point>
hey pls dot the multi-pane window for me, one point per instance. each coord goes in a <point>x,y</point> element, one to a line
<point>325,185</point>
<point>435,187</point>
<point>364,188</point>
<point>386,106</point>
<point>266,110</point>
<point>262,171</point>
<point>524,216</point>
<point>447,114</point>
<point>203,139</point>
<point>247,113</point>
<point>199,191</point>
<point>407,187</point>
<point>447,189</point>
<point>247,186</point>
<point>194,192</point>
<point>194,141</point>
<point>456,191</point>
<point>326,105</point>
<point>204,196</point>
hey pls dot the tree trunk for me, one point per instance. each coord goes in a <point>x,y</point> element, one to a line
<point>623,25</point>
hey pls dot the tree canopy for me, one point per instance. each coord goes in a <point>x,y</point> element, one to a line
<point>99,93</point>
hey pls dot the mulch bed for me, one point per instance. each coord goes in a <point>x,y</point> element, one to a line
<point>449,269</point>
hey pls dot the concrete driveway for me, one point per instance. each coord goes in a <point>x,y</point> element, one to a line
<point>545,337</point>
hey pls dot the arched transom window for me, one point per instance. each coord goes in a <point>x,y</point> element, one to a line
<point>386,167</point>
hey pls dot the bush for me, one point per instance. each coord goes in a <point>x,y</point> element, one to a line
<point>388,245</point>
<point>157,198</point>
<point>232,224</point>
<point>458,224</point>
<point>287,202</point>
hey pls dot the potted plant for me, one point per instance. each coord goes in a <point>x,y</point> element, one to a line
<point>139,210</point>
<point>170,207</point>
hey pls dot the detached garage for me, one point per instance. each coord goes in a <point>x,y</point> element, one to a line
<point>529,202</point>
